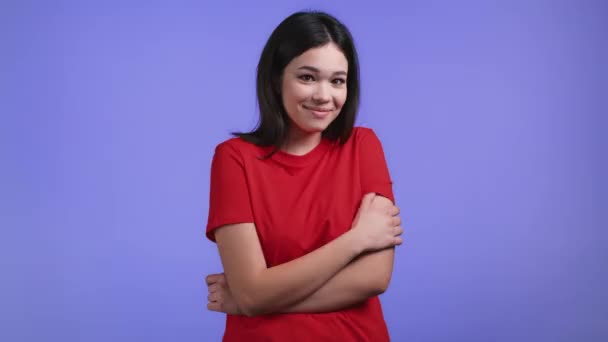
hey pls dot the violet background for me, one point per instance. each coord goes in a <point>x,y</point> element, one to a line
<point>492,115</point>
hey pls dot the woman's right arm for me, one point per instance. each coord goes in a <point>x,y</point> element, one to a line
<point>258,289</point>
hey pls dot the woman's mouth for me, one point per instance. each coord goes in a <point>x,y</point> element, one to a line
<point>318,112</point>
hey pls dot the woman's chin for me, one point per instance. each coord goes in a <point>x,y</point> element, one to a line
<point>313,129</point>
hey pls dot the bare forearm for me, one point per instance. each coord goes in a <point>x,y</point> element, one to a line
<point>261,290</point>
<point>365,277</point>
<point>283,285</point>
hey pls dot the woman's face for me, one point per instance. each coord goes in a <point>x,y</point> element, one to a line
<point>313,88</point>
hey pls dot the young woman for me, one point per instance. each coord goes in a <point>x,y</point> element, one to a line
<point>302,208</point>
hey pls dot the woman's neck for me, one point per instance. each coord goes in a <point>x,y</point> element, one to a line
<point>300,143</point>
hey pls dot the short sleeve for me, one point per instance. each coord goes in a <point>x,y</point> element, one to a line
<point>229,200</point>
<point>374,170</point>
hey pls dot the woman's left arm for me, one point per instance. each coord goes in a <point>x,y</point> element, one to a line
<point>355,283</point>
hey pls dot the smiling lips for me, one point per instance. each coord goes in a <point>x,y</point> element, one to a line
<point>318,112</point>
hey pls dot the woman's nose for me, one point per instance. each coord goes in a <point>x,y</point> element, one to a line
<point>321,93</point>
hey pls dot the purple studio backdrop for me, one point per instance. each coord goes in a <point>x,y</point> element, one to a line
<point>492,115</point>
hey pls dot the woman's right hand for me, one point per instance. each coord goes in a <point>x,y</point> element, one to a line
<point>377,224</point>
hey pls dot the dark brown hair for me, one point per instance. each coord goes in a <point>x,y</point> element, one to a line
<point>295,35</point>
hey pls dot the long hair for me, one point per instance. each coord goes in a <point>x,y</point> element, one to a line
<point>295,35</point>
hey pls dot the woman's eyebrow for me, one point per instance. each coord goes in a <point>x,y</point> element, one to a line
<point>313,69</point>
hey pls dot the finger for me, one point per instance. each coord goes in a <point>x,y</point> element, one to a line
<point>215,297</point>
<point>213,287</point>
<point>398,230</point>
<point>212,278</point>
<point>396,221</point>
<point>214,306</point>
<point>393,210</point>
<point>367,200</point>
<point>221,279</point>
<point>398,241</point>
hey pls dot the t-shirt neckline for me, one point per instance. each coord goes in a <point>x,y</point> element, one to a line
<point>309,158</point>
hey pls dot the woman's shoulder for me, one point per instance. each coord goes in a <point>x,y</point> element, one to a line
<point>365,140</point>
<point>361,133</point>
<point>238,146</point>
<point>361,130</point>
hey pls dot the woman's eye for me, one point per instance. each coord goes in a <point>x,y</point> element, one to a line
<point>339,81</point>
<point>307,78</point>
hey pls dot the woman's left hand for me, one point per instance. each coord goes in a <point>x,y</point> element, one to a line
<point>220,298</point>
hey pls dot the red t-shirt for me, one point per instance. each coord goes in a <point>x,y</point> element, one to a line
<point>298,204</point>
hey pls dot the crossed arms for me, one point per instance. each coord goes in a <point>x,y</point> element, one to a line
<point>350,269</point>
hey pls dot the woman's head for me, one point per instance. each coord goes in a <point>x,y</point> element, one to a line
<point>313,88</point>
<point>308,77</point>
